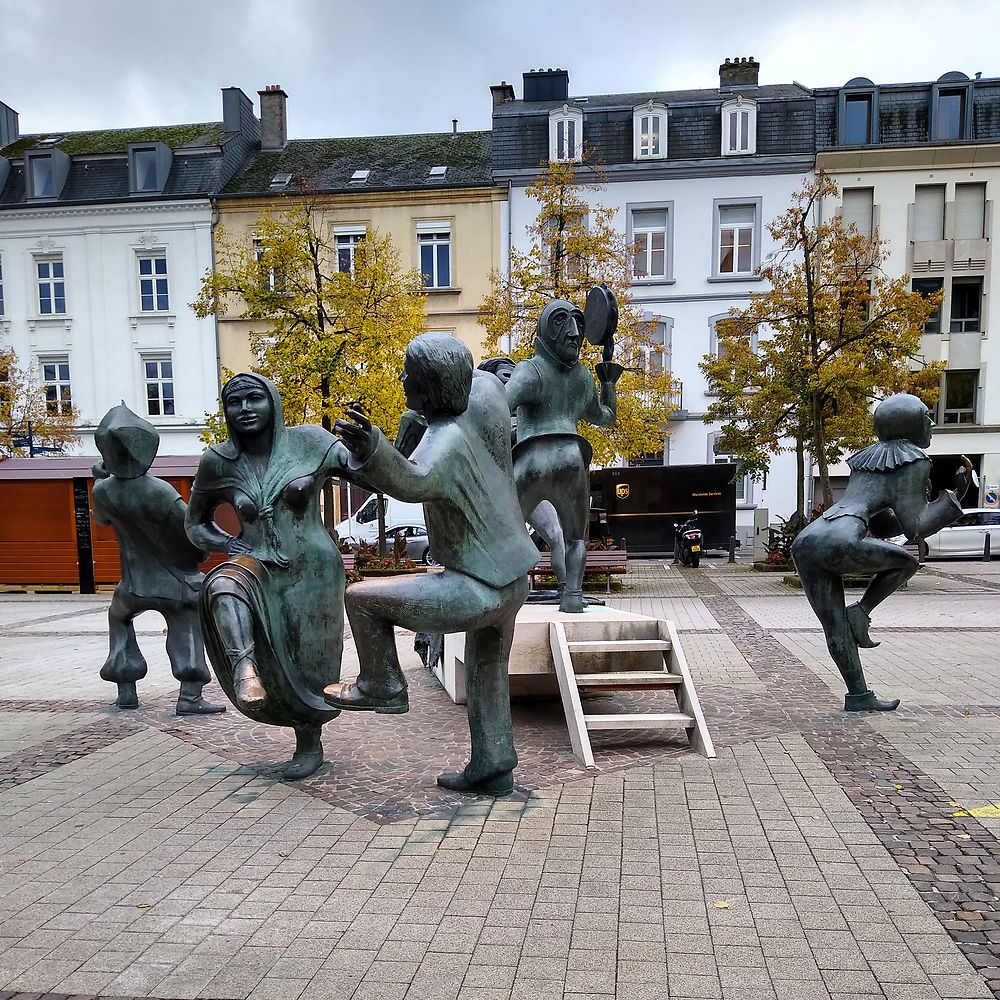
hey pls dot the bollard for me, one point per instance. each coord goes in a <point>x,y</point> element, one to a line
<point>986,548</point>
<point>732,548</point>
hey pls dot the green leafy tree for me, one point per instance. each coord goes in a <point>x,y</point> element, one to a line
<point>574,247</point>
<point>801,365</point>
<point>328,329</point>
<point>24,408</point>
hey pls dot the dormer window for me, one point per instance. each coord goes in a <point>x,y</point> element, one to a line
<point>360,177</point>
<point>951,108</point>
<point>437,173</point>
<point>857,113</point>
<point>649,127</point>
<point>280,181</point>
<point>739,127</point>
<point>566,134</point>
<point>148,167</point>
<point>46,173</point>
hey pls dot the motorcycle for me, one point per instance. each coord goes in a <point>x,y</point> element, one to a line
<point>688,541</point>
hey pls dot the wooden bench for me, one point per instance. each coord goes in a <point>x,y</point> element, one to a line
<point>606,561</point>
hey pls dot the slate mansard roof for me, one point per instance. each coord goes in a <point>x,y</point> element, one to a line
<point>204,156</point>
<point>395,162</point>
<point>785,125</point>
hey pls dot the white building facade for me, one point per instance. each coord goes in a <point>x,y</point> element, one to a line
<point>693,177</point>
<point>104,239</point>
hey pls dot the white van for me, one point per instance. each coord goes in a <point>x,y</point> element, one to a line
<point>363,525</point>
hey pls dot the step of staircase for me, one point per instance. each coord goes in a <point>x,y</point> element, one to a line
<point>651,720</point>
<point>622,680</point>
<point>618,645</point>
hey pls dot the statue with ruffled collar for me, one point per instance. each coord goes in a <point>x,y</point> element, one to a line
<point>886,494</point>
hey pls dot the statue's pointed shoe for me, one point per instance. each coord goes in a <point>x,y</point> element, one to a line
<point>499,784</point>
<point>860,621</point>
<point>303,764</point>
<point>351,698</point>
<point>868,701</point>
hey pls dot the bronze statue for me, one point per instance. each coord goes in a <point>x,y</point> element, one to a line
<point>272,613</point>
<point>461,470</point>
<point>886,493</point>
<point>159,565</point>
<point>549,394</point>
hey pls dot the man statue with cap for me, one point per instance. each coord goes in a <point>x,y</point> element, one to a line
<point>549,394</point>
<point>159,565</point>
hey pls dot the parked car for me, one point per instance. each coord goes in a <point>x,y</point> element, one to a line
<point>967,536</point>
<point>416,542</point>
<point>363,526</point>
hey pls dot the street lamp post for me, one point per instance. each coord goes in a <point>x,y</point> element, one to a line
<point>29,443</point>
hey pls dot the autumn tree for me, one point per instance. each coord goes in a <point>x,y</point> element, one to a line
<point>574,246</point>
<point>330,324</point>
<point>801,365</point>
<point>30,412</point>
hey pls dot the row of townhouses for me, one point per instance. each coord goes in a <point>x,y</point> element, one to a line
<point>105,236</point>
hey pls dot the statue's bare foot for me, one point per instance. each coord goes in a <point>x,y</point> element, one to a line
<point>249,691</point>
<point>499,784</point>
<point>869,702</point>
<point>860,622</point>
<point>127,695</point>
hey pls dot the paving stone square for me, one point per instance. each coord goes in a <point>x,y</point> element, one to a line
<point>819,854</point>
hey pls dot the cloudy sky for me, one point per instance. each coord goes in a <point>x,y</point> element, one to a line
<point>384,66</point>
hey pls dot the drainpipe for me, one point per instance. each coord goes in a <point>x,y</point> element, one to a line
<point>215,319</point>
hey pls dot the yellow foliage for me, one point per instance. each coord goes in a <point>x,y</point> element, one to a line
<point>326,338</point>
<point>835,334</point>
<point>22,400</point>
<point>575,247</point>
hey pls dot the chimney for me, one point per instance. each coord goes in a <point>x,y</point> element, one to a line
<point>454,126</point>
<point>739,72</point>
<point>273,118</point>
<point>546,85</point>
<point>237,114</point>
<point>9,131</point>
<point>501,93</point>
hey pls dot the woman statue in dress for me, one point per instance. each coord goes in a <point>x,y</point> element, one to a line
<point>273,613</point>
<point>887,492</point>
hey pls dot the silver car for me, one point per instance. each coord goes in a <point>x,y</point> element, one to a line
<point>967,536</point>
<point>416,542</point>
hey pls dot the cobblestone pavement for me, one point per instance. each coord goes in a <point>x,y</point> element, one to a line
<point>820,856</point>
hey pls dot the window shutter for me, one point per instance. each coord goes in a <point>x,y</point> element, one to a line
<point>736,215</point>
<point>649,218</point>
<point>858,209</point>
<point>970,202</point>
<point>928,212</point>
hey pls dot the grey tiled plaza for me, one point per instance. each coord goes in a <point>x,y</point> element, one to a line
<point>818,856</point>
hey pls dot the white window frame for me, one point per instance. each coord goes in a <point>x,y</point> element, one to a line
<point>745,112</point>
<point>158,358</point>
<point>347,238</point>
<point>646,150</point>
<point>564,138</point>
<point>270,280</point>
<point>668,230</point>
<point>2,304</point>
<point>437,235</point>
<point>153,279</point>
<point>50,282</point>
<point>64,403</point>
<point>754,227</point>
<point>743,485</point>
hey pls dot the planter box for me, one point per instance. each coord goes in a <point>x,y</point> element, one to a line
<point>391,572</point>
<point>774,567</point>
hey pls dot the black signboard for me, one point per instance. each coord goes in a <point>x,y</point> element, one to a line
<point>84,540</point>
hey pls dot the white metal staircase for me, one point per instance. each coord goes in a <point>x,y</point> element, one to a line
<point>639,656</point>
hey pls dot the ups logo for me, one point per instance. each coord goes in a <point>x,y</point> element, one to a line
<point>621,491</point>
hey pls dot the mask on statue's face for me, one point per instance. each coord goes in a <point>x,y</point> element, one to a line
<point>563,335</point>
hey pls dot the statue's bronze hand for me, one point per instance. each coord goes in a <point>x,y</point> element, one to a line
<point>237,547</point>
<point>356,434</point>
<point>963,477</point>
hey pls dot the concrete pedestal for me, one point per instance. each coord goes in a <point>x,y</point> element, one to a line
<point>532,672</point>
